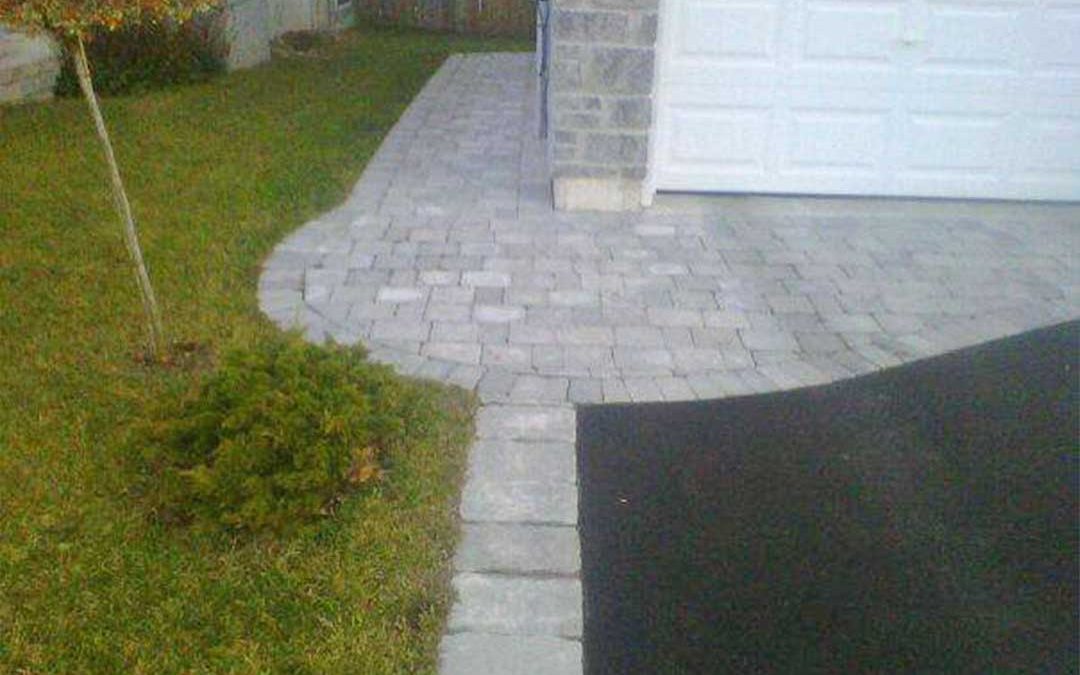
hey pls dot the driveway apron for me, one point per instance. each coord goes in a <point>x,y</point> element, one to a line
<point>448,262</point>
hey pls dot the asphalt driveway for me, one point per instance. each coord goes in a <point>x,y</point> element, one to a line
<point>922,519</point>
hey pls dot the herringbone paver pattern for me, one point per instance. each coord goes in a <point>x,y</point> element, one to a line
<point>448,261</point>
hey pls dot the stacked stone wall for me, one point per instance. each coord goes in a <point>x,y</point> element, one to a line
<point>600,100</point>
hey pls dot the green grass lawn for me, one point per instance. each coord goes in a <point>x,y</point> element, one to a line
<point>217,174</point>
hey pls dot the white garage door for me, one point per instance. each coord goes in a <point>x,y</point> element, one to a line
<point>939,98</point>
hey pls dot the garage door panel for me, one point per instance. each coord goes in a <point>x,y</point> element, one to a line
<point>1055,41</point>
<point>743,31</point>
<point>956,104</point>
<point>850,32</point>
<point>729,140</point>
<point>830,142</point>
<point>872,78</point>
<point>1052,140</point>
<point>974,148</point>
<point>783,99</point>
<point>981,40</point>
<point>960,98</point>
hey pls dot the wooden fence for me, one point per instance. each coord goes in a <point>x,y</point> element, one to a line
<point>481,17</point>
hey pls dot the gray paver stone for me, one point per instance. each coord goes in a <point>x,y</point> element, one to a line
<point>516,605</point>
<point>497,313</point>
<point>487,654</point>
<point>519,502</point>
<point>518,549</point>
<point>522,422</point>
<point>585,391</point>
<point>507,461</point>
<point>755,339</point>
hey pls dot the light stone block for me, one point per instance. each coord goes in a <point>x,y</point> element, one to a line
<point>509,461</point>
<point>523,422</point>
<point>519,502</point>
<point>497,313</point>
<point>490,654</point>
<point>518,549</point>
<point>516,606</point>
<point>597,194</point>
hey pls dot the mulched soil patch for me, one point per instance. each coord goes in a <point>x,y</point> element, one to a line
<point>918,520</point>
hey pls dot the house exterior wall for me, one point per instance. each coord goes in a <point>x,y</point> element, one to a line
<point>600,101</point>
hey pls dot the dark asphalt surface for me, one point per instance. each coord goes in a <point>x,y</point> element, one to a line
<point>918,520</point>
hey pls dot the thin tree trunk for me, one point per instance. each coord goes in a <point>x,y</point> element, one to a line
<point>123,207</point>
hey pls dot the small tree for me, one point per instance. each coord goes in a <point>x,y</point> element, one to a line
<point>72,23</point>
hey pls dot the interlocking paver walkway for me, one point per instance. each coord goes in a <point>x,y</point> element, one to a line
<point>448,261</point>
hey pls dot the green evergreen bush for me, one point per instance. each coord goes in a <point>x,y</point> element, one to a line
<point>275,437</point>
<point>149,56</point>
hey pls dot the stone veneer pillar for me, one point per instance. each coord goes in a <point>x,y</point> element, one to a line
<point>600,101</point>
